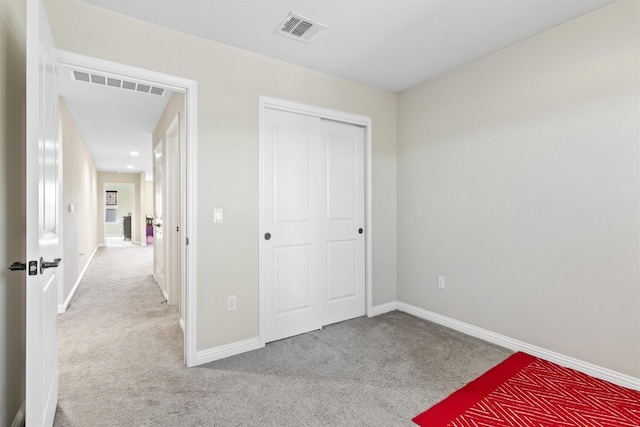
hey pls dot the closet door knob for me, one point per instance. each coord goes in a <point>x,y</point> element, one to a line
<point>267,236</point>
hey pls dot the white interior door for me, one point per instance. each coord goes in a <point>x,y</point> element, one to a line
<point>158,220</point>
<point>42,221</point>
<point>172,215</point>
<point>313,207</point>
<point>344,221</point>
<point>290,216</point>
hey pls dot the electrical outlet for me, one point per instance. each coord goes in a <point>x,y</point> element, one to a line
<point>231,303</point>
<point>441,282</point>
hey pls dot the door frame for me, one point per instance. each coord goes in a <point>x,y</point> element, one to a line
<point>266,102</point>
<point>189,173</point>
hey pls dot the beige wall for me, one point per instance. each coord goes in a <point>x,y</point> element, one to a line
<point>175,106</point>
<point>12,206</point>
<point>148,199</point>
<point>119,178</point>
<point>230,81</point>
<point>79,189</point>
<point>141,207</point>
<point>518,180</point>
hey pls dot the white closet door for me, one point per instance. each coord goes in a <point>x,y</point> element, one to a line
<point>313,208</point>
<point>343,238</point>
<point>292,253</point>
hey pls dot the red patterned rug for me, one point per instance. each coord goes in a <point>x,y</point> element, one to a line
<point>525,391</point>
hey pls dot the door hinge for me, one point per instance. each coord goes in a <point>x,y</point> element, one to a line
<point>187,241</point>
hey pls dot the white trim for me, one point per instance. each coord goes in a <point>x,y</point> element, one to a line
<point>62,308</point>
<point>189,88</point>
<point>383,308</point>
<point>516,345</point>
<point>182,325</point>
<point>18,420</point>
<point>189,226</point>
<point>220,352</point>
<point>358,120</point>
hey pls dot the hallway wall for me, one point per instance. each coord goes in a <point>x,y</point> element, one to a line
<point>77,205</point>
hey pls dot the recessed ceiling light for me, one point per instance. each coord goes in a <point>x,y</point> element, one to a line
<point>134,153</point>
<point>129,167</point>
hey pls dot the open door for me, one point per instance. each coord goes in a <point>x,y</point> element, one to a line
<point>158,218</point>
<point>42,220</point>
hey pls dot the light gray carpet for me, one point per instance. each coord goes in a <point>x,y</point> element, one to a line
<point>121,364</point>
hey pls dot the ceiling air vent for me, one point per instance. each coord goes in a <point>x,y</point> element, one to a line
<point>300,28</point>
<point>82,76</point>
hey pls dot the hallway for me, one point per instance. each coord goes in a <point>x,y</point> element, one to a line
<point>117,334</point>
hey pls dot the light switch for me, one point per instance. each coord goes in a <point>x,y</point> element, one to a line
<point>70,208</point>
<point>217,216</point>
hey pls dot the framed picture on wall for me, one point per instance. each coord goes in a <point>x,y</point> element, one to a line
<point>111,198</point>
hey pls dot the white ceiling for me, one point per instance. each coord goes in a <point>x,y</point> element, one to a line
<point>113,122</point>
<point>388,44</point>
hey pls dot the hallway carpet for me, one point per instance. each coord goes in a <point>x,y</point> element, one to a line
<point>120,362</point>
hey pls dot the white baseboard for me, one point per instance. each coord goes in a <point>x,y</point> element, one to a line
<point>516,345</point>
<point>63,307</point>
<point>18,420</point>
<point>382,308</point>
<point>216,353</point>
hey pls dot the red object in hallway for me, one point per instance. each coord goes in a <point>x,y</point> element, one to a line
<point>524,391</point>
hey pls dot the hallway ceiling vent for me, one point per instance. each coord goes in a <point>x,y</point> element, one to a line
<point>82,76</point>
<point>300,28</point>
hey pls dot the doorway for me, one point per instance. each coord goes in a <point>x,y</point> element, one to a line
<point>187,221</point>
<point>119,210</point>
<point>315,227</point>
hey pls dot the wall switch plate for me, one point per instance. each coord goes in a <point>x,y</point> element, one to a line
<point>217,216</point>
<point>231,303</point>
<point>441,282</point>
